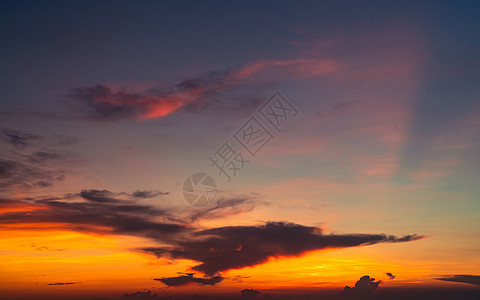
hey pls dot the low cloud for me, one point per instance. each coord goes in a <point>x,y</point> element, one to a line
<point>470,279</point>
<point>178,234</point>
<point>390,275</point>
<point>363,287</point>
<point>64,283</point>
<point>189,279</point>
<point>147,295</point>
<point>234,247</point>
<point>249,293</point>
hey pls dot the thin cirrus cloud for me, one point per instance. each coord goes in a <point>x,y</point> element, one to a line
<point>104,102</point>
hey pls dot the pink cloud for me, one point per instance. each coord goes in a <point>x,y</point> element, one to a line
<point>108,102</point>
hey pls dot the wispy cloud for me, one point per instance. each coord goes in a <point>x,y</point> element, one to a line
<point>105,102</point>
<point>31,161</point>
<point>18,138</point>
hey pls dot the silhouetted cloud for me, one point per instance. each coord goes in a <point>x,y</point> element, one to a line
<point>250,293</point>
<point>110,216</point>
<point>363,287</point>
<point>234,247</point>
<point>189,279</point>
<point>64,283</point>
<point>216,249</point>
<point>470,279</point>
<point>148,295</point>
<point>390,275</point>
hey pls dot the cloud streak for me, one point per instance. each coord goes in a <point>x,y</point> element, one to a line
<point>187,279</point>
<point>470,279</point>
<point>64,283</point>
<point>108,103</point>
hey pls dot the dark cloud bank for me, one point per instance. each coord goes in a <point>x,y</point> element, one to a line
<point>215,249</point>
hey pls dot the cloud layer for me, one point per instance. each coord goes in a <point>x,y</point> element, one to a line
<point>216,249</point>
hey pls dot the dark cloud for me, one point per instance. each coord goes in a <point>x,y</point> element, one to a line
<point>148,295</point>
<point>25,166</point>
<point>189,279</point>
<point>99,196</point>
<point>234,247</point>
<point>215,250</point>
<point>228,207</point>
<point>18,138</point>
<point>112,197</point>
<point>470,279</point>
<point>44,248</point>
<point>390,275</point>
<point>363,287</point>
<point>250,293</point>
<point>239,278</point>
<point>64,283</point>
<point>147,194</point>
<point>104,211</point>
<point>119,217</point>
<point>18,175</point>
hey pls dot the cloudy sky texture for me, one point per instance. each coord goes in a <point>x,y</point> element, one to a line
<point>107,107</point>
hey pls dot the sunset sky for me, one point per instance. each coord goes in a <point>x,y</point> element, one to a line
<point>107,108</point>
